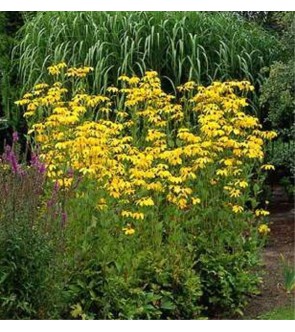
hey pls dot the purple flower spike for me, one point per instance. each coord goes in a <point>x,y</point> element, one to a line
<point>64,218</point>
<point>56,187</point>
<point>15,137</point>
<point>37,164</point>
<point>11,158</point>
<point>7,151</point>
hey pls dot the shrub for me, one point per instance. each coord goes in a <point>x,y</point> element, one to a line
<point>277,98</point>
<point>10,22</point>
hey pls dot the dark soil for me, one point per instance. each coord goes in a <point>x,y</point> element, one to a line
<point>280,242</point>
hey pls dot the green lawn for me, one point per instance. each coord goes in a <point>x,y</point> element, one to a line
<point>284,313</point>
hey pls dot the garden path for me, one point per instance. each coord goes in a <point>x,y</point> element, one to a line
<point>280,242</point>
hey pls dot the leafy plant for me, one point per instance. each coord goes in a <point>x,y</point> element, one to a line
<point>27,282</point>
<point>288,275</point>
<point>288,187</point>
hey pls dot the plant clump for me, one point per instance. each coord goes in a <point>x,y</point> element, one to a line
<point>142,173</point>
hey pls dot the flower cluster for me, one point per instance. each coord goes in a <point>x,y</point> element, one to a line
<point>143,147</point>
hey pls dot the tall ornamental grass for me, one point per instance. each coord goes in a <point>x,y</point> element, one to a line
<point>180,46</point>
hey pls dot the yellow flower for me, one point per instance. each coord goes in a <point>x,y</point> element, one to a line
<point>263,229</point>
<point>123,78</point>
<point>65,182</point>
<point>268,134</point>
<point>182,203</point>
<point>187,86</point>
<point>237,209</point>
<point>40,86</point>
<point>134,80</point>
<point>61,65</point>
<point>133,215</point>
<point>268,167</point>
<point>147,201</point>
<point>241,184</point>
<point>222,172</point>
<point>138,215</point>
<point>79,72</point>
<point>128,230</point>
<point>235,193</point>
<point>196,200</point>
<point>102,204</point>
<point>261,212</point>
<point>213,182</point>
<point>77,310</point>
<point>112,89</point>
<point>23,102</point>
<point>56,69</point>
